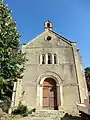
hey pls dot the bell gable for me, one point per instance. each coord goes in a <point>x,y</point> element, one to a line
<point>48,38</point>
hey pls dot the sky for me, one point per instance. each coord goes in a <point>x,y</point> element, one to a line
<point>70,18</point>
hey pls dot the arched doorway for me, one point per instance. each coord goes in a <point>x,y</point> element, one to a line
<point>50,94</point>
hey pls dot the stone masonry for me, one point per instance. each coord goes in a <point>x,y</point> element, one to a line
<point>51,56</point>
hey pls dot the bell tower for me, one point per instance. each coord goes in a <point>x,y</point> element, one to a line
<point>48,25</point>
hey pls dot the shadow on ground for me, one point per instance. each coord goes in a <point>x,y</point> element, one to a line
<point>70,117</point>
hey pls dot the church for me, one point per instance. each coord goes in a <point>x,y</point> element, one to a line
<point>53,78</point>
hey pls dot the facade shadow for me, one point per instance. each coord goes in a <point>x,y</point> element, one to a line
<point>70,117</point>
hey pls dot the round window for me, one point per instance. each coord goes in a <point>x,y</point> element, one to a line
<point>48,38</point>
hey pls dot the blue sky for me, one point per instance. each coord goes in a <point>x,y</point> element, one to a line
<point>71,18</point>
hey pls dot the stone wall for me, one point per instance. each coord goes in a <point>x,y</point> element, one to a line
<point>67,68</point>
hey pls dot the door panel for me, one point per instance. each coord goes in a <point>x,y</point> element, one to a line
<point>49,94</point>
<point>45,102</point>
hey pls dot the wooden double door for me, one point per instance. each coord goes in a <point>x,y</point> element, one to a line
<point>50,94</point>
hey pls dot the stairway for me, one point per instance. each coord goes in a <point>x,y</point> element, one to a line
<point>48,115</point>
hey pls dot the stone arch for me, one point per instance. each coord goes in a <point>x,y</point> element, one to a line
<point>40,81</point>
<point>50,74</point>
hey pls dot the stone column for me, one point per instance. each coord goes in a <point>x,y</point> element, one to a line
<point>18,94</point>
<point>41,97</point>
<point>52,58</point>
<point>38,97</point>
<point>40,59</point>
<point>46,62</point>
<point>61,95</point>
<point>13,98</point>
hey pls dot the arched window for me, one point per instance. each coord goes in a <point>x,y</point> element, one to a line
<point>48,24</point>
<point>49,58</point>
<point>55,59</point>
<point>43,59</point>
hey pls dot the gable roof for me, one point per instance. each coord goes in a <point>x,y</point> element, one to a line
<point>60,36</point>
<point>53,32</point>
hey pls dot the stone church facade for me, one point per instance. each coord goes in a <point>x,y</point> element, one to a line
<point>53,77</point>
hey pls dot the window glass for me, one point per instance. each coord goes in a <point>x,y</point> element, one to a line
<point>55,59</point>
<point>43,59</point>
<point>49,58</point>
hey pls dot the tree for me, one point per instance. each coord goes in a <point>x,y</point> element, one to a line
<point>87,75</point>
<point>11,58</point>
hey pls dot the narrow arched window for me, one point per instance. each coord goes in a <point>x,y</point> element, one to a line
<point>49,58</point>
<point>48,24</point>
<point>55,59</point>
<point>43,59</point>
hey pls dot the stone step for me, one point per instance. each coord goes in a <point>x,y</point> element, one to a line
<point>43,115</point>
<point>48,118</point>
<point>48,113</point>
<point>38,118</point>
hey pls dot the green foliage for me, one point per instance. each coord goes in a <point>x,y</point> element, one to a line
<point>11,58</point>
<point>87,71</point>
<point>21,110</point>
<point>87,75</point>
<point>5,104</point>
<point>31,111</point>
